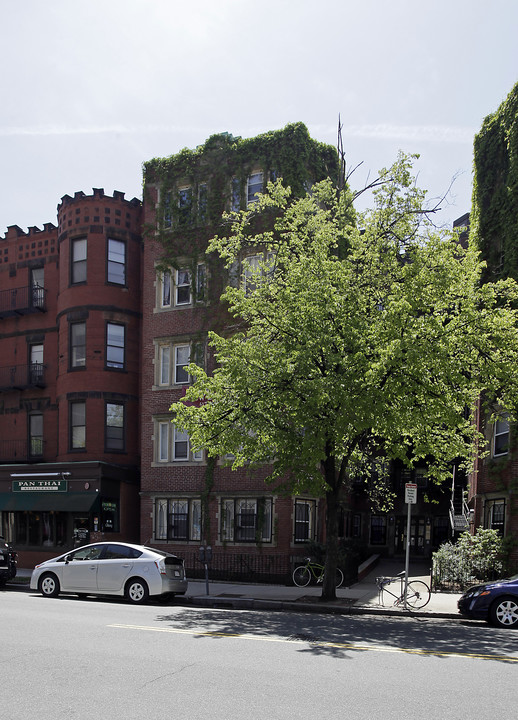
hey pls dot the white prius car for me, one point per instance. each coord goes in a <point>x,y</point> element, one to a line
<point>112,568</point>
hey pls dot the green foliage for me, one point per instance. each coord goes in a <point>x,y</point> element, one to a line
<point>494,217</point>
<point>357,336</point>
<point>289,153</point>
<point>472,558</point>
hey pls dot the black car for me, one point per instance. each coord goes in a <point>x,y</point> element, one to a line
<point>496,602</point>
<point>7,562</point>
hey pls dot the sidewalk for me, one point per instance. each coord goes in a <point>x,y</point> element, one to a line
<point>360,598</point>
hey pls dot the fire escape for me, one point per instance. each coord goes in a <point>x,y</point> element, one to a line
<point>459,510</point>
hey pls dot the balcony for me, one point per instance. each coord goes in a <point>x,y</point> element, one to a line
<point>22,377</point>
<point>21,451</point>
<point>22,301</point>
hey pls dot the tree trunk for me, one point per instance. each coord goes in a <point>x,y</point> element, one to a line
<point>332,498</point>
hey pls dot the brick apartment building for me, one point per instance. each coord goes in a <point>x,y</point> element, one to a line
<point>186,498</point>
<point>98,318</point>
<point>70,317</point>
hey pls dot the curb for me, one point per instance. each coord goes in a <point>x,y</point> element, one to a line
<point>246,603</point>
<point>211,601</point>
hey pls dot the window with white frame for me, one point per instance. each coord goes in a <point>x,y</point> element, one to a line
<point>183,287</point>
<point>250,270</point>
<point>246,519</point>
<point>501,436</point>
<point>177,289</point>
<point>182,354</point>
<point>257,267</point>
<point>305,520</point>
<point>165,289</point>
<point>254,187</point>
<point>164,364</point>
<point>172,444</point>
<point>177,519</point>
<point>172,361</point>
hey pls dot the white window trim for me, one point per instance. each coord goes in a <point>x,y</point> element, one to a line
<point>251,199</point>
<point>167,365</point>
<point>180,367</point>
<point>178,287</point>
<point>311,523</point>
<point>503,419</point>
<point>164,365</point>
<point>162,507</point>
<point>166,436</point>
<point>230,509</point>
<point>163,432</point>
<point>165,279</point>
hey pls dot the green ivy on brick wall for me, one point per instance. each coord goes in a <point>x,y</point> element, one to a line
<point>494,219</point>
<point>209,170</point>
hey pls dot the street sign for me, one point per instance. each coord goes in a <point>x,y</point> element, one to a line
<point>411,493</point>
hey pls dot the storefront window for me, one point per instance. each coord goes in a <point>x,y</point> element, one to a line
<point>47,529</point>
<point>110,516</point>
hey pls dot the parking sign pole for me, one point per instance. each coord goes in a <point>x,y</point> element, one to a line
<point>410,499</point>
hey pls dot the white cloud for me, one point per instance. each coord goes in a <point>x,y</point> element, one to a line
<point>421,133</point>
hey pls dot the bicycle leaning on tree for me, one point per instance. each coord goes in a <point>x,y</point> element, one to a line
<point>417,592</point>
<point>303,574</point>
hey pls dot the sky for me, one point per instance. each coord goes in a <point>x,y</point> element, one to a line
<point>92,90</point>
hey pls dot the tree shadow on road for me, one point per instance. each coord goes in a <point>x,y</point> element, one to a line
<point>335,635</point>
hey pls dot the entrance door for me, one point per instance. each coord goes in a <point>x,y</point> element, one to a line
<point>417,535</point>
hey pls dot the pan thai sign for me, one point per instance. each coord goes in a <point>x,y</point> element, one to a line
<point>39,485</point>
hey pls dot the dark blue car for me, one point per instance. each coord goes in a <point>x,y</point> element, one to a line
<point>496,602</point>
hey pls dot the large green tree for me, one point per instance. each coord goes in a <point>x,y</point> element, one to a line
<point>354,336</point>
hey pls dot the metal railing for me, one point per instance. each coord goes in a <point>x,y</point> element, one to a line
<point>21,450</point>
<point>454,575</point>
<point>22,301</point>
<point>241,567</point>
<point>19,377</point>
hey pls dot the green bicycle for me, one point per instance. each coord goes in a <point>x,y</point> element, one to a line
<point>303,573</point>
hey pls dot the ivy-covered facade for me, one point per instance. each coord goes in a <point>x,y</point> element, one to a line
<point>493,491</point>
<point>187,499</point>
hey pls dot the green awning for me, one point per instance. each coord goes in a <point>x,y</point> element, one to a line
<point>46,501</point>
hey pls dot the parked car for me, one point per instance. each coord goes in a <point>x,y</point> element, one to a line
<point>112,568</point>
<point>496,602</point>
<point>7,562</point>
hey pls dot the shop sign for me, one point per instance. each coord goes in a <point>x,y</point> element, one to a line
<point>40,485</point>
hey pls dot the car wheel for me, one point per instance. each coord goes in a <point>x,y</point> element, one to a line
<point>137,591</point>
<point>48,585</point>
<point>504,612</point>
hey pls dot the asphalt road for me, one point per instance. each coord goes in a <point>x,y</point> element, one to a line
<point>81,659</point>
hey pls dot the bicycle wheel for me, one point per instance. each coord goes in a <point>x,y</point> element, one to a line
<point>339,577</point>
<point>417,594</point>
<point>301,576</point>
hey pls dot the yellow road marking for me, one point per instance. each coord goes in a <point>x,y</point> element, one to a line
<point>342,646</point>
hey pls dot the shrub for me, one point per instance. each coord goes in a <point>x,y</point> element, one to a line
<point>472,558</point>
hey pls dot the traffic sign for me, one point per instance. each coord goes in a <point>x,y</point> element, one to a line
<point>411,493</point>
